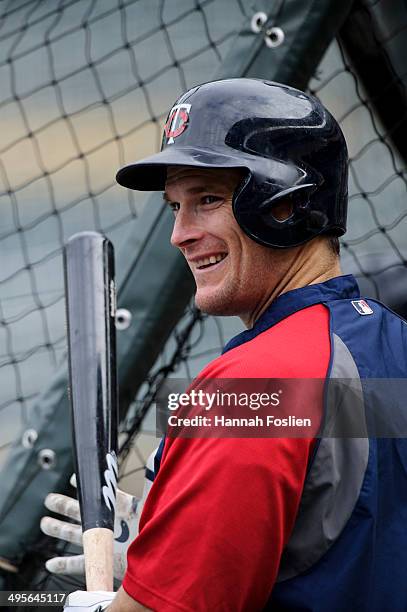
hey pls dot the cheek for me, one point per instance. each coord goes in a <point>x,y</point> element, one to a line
<point>256,263</point>
<point>252,253</point>
<point>246,255</point>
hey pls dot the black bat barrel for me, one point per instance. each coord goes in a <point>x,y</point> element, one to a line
<point>91,308</point>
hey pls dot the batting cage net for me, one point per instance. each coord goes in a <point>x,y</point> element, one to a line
<point>86,88</point>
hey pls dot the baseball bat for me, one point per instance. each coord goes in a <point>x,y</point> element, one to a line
<point>91,307</point>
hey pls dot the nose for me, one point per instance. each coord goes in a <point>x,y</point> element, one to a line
<point>186,229</point>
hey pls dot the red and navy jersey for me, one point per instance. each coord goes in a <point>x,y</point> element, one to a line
<point>348,548</point>
<point>286,523</point>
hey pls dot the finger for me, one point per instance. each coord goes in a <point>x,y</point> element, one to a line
<point>119,565</point>
<point>61,504</point>
<point>126,505</point>
<point>61,530</point>
<point>150,461</point>
<point>66,565</point>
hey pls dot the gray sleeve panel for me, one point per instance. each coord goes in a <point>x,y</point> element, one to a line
<point>336,475</point>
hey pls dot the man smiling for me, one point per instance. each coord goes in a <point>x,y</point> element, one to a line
<point>256,175</point>
<point>234,275</point>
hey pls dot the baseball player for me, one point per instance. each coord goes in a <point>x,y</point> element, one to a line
<point>256,174</point>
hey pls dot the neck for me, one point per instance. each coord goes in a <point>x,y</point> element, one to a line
<point>308,264</point>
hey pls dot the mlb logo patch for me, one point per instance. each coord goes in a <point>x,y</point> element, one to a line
<point>362,307</point>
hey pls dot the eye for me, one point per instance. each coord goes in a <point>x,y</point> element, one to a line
<point>211,199</point>
<point>174,206</point>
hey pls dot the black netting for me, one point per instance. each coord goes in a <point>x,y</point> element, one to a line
<point>85,88</point>
<point>375,245</point>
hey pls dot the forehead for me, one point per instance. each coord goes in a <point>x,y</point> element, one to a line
<point>191,175</point>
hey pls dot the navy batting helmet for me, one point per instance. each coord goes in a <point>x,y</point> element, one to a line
<point>288,143</point>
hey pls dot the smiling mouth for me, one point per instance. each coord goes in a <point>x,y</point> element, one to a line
<point>208,262</point>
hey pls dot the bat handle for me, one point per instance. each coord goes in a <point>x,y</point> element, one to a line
<point>98,549</point>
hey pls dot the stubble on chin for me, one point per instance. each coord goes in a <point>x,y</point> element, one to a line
<point>222,302</point>
<point>217,307</point>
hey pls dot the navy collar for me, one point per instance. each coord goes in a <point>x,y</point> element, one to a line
<point>338,288</point>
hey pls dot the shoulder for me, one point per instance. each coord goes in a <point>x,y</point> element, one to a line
<point>296,347</point>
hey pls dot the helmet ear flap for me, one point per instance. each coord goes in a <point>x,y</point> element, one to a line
<point>299,196</point>
<point>273,220</point>
<point>288,205</point>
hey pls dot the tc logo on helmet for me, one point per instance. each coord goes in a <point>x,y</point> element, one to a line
<point>177,121</point>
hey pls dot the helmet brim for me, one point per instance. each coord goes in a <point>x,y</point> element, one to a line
<point>150,173</point>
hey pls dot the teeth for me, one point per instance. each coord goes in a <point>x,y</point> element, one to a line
<point>210,260</point>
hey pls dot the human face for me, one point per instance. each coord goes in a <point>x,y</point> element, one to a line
<point>233,274</point>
